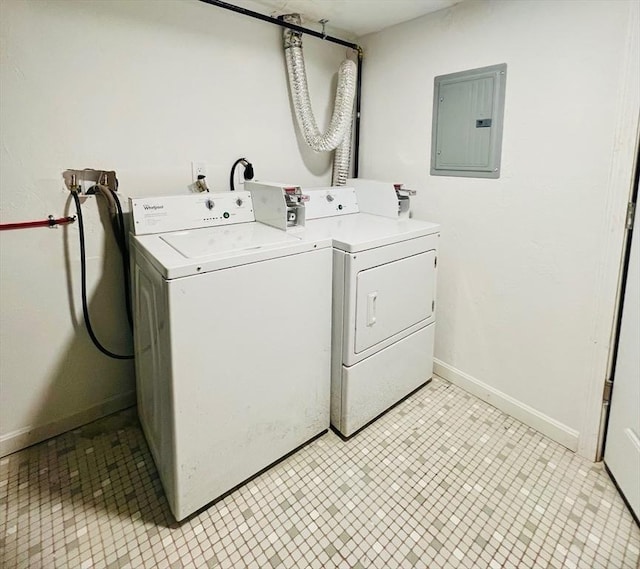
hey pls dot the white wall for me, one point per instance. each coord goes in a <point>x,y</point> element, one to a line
<point>529,263</point>
<point>144,88</point>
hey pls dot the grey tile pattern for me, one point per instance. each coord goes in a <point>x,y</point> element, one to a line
<point>442,481</point>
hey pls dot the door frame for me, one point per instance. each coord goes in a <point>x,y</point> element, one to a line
<point>615,341</point>
<point>619,191</point>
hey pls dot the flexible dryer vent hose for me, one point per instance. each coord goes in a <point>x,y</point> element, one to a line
<point>338,135</point>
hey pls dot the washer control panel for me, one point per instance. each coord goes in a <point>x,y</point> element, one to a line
<point>175,213</point>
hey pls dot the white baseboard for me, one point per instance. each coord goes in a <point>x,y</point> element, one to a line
<point>27,436</point>
<point>528,415</point>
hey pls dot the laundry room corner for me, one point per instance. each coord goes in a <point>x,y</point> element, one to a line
<point>530,261</point>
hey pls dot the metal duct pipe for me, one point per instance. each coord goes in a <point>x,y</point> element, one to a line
<point>281,23</point>
<point>338,135</point>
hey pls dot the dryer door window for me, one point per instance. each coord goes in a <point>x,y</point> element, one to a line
<point>393,297</point>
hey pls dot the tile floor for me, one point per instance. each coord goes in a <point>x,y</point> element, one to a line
<point>441,481</point>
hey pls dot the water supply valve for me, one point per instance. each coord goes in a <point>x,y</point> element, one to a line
<point>90,180</point>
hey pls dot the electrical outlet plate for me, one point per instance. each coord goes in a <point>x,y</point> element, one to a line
<point>239,181</point>
<point>198,169</point>
<point>217,176</point>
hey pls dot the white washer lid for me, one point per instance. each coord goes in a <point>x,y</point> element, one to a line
<point>197,251</point>
<point>211,241</point>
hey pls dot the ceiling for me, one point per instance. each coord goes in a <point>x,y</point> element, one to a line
<point>353,18</point>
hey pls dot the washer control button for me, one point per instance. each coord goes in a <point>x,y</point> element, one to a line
<point>225,215</point>
<point>330,198</point>
<point>238,202</point>
<point>209,204</point>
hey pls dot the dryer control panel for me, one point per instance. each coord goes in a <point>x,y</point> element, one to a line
<point>331,201</point>
<point>175,213</point>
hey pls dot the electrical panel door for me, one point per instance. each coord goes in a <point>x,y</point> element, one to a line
<point>468,113</point>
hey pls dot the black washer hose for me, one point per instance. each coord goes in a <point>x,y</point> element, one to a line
<point>83,272</point>
<point>124,252</point>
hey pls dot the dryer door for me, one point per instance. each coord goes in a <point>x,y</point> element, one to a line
<point>392,295</point>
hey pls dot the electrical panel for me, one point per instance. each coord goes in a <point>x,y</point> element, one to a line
<point>468,111</point>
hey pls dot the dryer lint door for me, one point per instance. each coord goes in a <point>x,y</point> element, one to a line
<point>391,295</point>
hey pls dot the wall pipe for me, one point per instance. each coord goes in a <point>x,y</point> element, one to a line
<point>320,35</point>
<point>356,134</point>
<point>51,222</point>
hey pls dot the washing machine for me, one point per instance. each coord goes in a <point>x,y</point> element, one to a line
<point>226,386</point>
<point>384,294</point>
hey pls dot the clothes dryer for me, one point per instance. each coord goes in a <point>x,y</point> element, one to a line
<point>384,300</point>
<point>225,386</point>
